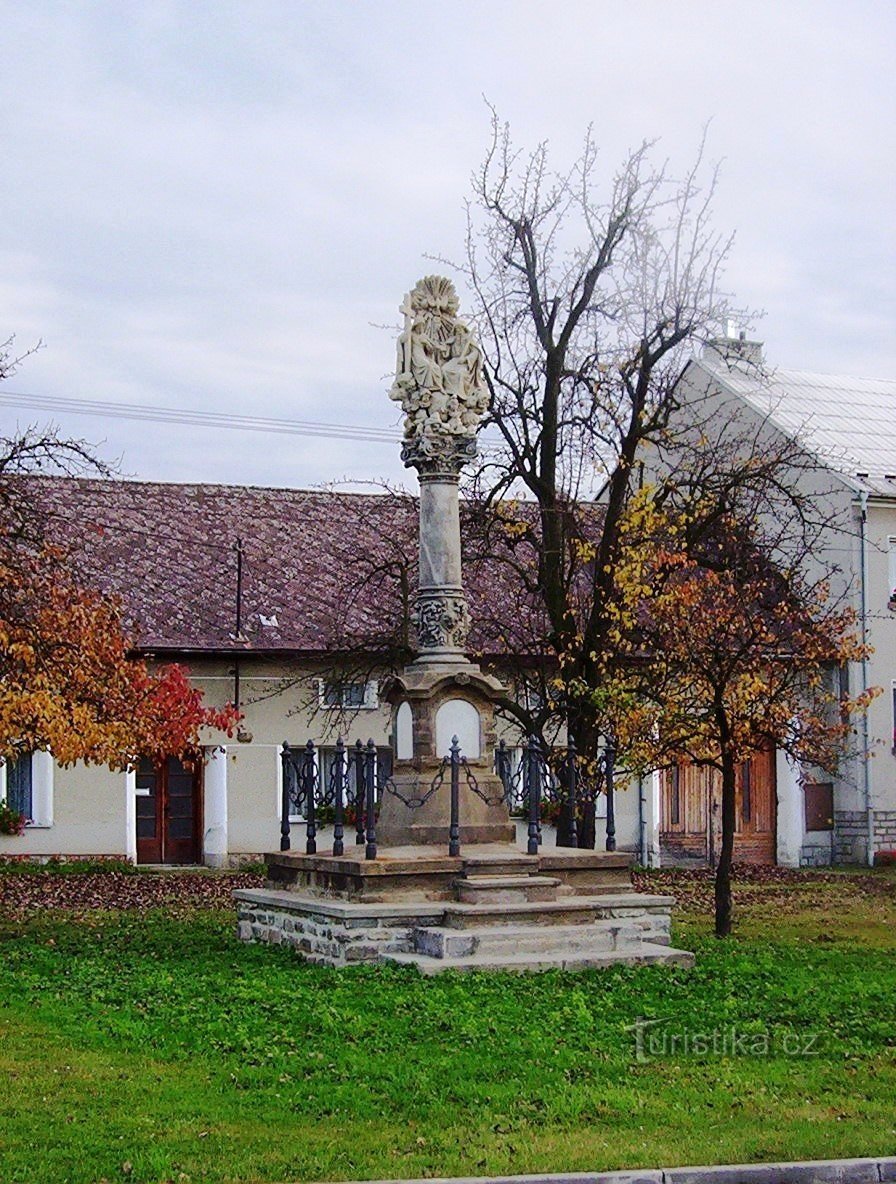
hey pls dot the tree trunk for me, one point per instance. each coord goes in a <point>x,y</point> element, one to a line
<point>726,855</point>
<point>586,826</point>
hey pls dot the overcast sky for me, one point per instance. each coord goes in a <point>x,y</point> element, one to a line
<point>212,205</point>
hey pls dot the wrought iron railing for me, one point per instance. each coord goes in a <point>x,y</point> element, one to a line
<point>355,784</point>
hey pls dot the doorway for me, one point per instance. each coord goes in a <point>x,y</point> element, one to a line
<point>168,812</point>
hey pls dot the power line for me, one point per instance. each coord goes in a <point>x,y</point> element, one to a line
<point>254,423</point>
<point>60,405</point>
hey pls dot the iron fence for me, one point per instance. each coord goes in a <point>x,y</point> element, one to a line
<point>349,785</point>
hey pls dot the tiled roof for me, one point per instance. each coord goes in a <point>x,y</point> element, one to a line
<point>318,568</point>
<point>848,423</point>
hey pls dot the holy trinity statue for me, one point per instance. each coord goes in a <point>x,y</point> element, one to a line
<point>438,374</point>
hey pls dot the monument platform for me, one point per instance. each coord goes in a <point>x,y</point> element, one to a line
<point>492,907</point>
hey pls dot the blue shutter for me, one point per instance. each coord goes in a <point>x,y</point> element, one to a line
<point>18,785</point>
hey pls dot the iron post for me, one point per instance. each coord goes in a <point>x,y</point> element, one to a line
<point>339,771</point>
<point>286,769</point>
<point>370,787</point>
<point>502,768</point>
<point>359,794</point>
<point>454,825</point>
<point>308,791</point>
<point>533,762</point>
<point>609,761</point>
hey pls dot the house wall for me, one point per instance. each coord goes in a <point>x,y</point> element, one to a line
<point>875,777</point>
<point>89,815</point>
<point>93,809</point>
<point>868,772</point>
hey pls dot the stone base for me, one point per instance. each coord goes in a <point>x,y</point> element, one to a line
<point>579,934</point>
<point>491,908</point>
<point>423,873</point>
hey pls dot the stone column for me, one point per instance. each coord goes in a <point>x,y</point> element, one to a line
<point>442,616</point>
<point>438,382</point>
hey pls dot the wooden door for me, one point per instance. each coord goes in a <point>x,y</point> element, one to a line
<point>691,813</point>
<point>168,812</point>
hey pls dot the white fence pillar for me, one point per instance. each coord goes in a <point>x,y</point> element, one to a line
<point>130,815</point>
<point>214,842</point>
<point>649,789</point>
<point>790,811</point>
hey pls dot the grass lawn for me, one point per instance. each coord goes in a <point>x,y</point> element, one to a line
<point>144,1047</point>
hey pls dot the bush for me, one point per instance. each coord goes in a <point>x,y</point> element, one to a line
<point>11,821</point>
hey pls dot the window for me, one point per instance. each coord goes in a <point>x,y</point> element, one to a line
<point>326,791</point>
<point>324,778</point>
<point>819,806</point>
<point>19,785</point>
<point>26,785</point>
<point>349,696</point>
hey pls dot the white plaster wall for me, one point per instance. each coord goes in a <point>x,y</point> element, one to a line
<point>880,526</point>
<point>89,817</point>
<point>94,808</point>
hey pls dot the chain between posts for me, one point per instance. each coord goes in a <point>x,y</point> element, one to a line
<point>542,777</point>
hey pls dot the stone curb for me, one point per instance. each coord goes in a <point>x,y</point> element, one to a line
<point>818,1171</point>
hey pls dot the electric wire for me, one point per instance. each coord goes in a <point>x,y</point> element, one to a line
<point>61,405</point>
<point>140,411</point>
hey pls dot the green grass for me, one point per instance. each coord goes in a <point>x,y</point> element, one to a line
<point>134,1047</point>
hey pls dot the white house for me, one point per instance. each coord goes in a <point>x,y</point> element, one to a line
<point>846,431</point>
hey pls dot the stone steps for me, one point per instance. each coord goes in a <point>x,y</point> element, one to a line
<point>526,962</point>
<point>572,933</point>
<point>506,889</point>
<point>492,908</point>
<point>552,940</point>
<point>569,910</point>
<point>504,865</point>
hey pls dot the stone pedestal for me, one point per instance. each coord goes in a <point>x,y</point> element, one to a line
<point>438,702</point>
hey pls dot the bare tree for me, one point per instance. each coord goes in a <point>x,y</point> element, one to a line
<point>588,306</point>
<point>35,449</point>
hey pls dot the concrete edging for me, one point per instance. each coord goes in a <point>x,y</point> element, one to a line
<point>881,1170</point>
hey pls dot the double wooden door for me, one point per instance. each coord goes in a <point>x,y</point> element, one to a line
<point>168,812</point>
<point>691,813</point>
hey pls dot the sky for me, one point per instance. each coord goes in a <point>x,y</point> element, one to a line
<point>218,206</point>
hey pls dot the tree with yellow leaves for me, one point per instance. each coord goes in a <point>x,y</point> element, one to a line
<point>727,652</point>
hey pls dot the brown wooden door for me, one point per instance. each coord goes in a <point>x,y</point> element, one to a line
<point>168,812</point>
<point>691,812</point>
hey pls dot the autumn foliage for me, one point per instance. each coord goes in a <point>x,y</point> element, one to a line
<point>725,654</point>
<point>68,681</point>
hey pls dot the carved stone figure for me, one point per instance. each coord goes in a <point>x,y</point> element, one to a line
<point>438,373</point>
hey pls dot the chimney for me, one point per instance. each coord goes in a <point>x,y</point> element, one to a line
<point>734,348</point>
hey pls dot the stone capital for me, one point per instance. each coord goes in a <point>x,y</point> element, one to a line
<point>438,454</point>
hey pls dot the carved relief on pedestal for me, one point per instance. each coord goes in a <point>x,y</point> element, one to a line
<point>443,620</point>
